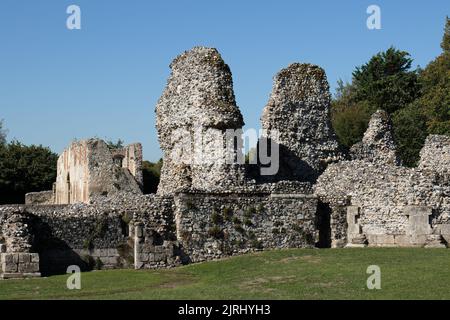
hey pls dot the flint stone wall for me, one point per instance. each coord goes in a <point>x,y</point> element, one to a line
<point>435,155</point>
<point>88,168</point>
<point>43,197</point>
<point>66,235</point>
<point>99,234</point>
<point>155,243</point>
<point>192,116</point>
<point>214,225</point>
<point>299,109</point>
<point>384,195</point>
<point>378,144</point>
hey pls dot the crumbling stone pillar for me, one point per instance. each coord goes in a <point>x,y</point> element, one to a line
<point>419,230</point>
<point>16,260</point>
<point>299,110</point>
<point>193,117</point>
<point>138,241</point>
<point>418,223</point>
<point>355,236</point>
<point>338,224</point>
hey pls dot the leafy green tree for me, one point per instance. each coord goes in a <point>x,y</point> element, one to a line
<point>410,132</point>
<point>430,113</point>
<point>2,133</point>
<point>350,121</point>
<point>445,44</point>
<point>387,81</point>
<point>151,173</point>
<point>435,79</point>
<point>119,144</point>
<point>25,169</point>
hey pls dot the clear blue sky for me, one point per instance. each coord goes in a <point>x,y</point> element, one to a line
<point>105,79</point>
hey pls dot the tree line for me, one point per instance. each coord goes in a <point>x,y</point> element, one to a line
<point>25,169</point>
<point>418,100</point>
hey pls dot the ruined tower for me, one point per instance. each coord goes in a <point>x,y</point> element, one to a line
<point>194,116</point>
<point>90,168</point>
<point>299,110</point>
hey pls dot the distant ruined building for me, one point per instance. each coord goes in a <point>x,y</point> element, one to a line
<point>210,204</point>
<point>90,168</point>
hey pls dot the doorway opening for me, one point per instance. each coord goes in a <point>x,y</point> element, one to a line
<point>68,188</point>
<point>324,225</point>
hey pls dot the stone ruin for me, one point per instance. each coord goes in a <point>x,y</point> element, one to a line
<point>377,144</point>
<point>299,110</point>
<point>192,116</point>
<point>372,200</point>
<point>209,204</point>
<point>90,168</point>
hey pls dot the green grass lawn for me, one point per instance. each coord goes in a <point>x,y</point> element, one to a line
<point>280,274</point>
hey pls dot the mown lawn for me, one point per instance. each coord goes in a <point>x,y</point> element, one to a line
<point>281,274</point>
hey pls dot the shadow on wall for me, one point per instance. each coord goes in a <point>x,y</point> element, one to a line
<point>55,255</point>
<point>151,172</point>
<point>290,166</point>
<point>323,223</point>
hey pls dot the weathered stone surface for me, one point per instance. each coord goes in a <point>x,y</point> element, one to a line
<point>17,275</point>
<point>15,230</point>
<point>88,168</point>
<point>43,197</point>
<point>212,226</point>
<point>378,143</point>
<point>435,155</point>
<point>357,241</point>
<point>392,200</point>
<point>14,265</point>
<point>435,241</point>
<point>299,110</point>
<point>192,116</point>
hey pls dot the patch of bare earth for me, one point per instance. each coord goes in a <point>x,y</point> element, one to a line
<point>259,283</point>
<point>307,258</point>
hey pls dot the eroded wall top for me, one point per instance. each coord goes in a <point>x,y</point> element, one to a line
<point>299,109</point>
<point>192,116</point>
<point>89,167</point>
<point>435,155</point>
<point>378,143</point>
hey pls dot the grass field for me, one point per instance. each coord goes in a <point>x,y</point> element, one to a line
<point>281,274</point>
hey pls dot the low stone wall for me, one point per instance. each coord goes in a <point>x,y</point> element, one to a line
<point>210,226</point>
<point>100,234</point>
<point>382,202</point>
<point>155,243</point>
<point>19,265</point>
<point>89,236</point>
<point>43,198</point>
